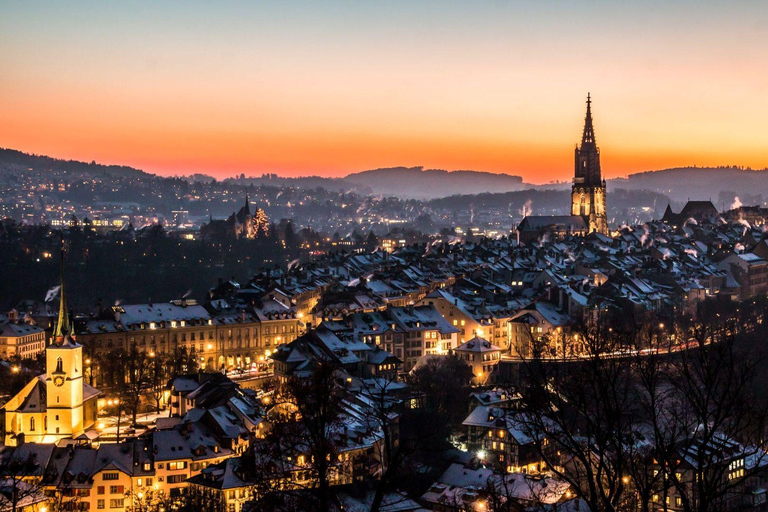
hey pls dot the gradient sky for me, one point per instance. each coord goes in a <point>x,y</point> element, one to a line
<point>332,87</point>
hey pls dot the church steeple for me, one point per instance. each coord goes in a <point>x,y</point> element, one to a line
<point>63,333</point>
<point>247,203</point>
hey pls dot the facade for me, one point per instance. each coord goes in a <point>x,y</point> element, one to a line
<point>458,313</point>
<point>750,271</point>
<point>220,337</point>
<point>482,356</point>
<point>745,475</point>
<point>498,438</point>
<point>541,322</point>
<point>22,340</point>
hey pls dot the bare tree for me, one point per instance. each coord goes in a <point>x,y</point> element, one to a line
<point>582,414</point>
<point>709,418</point>
<point>297,461</point>
<point>19,477</point>
<point>139,365</point>
<point>159,374</point>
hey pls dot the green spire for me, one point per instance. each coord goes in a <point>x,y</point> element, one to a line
<point>63,327</point>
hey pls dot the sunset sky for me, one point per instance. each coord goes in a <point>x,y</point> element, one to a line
<point>333,87</point>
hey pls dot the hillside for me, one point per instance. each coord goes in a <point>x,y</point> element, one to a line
<point>720,184</point>
<point>11,159</point>
<point>420,183</point>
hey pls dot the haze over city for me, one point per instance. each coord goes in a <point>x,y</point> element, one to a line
<point>330,88</point>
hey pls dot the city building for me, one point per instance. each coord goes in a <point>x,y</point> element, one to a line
<point>22,340</point>
<point>482,356</point>
<point>241,224</point>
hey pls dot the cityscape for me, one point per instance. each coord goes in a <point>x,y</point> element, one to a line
<point>287,327</point>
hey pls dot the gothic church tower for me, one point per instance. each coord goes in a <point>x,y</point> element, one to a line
<point>588,192</point>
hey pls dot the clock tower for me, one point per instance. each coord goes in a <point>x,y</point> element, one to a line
<point>58,404</point>
<point>64,376</point>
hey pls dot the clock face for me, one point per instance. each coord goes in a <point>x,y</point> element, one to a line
<point>58,380</point>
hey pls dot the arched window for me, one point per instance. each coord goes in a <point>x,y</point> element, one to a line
<point>31,424</point>
<point>59,367</point>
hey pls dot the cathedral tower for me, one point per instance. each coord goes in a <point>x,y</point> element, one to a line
<point>588,192</point>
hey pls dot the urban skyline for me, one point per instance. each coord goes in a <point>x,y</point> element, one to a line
<point>236,321</point>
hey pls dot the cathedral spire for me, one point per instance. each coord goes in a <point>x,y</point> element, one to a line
<point>589,131</point>
<point>247,204</point>
<point>63,326</point>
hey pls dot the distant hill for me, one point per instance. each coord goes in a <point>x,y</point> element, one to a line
<point>720,184</point>
<point>11,158</point>
<point>420,183</point>
<point>305,182</point>
<point>402,182</point>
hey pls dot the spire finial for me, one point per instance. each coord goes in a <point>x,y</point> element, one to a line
<point>589,132</point>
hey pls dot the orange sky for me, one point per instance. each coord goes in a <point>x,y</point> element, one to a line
<point>305,89</point>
